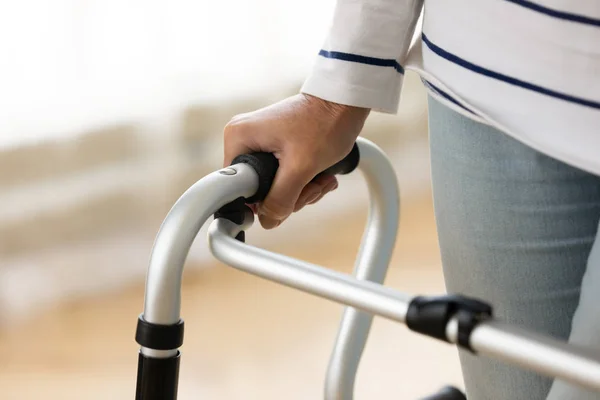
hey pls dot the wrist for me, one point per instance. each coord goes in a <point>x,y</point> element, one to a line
<point>337,110</point>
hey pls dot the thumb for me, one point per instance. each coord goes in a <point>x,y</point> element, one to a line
<point>287,186</point>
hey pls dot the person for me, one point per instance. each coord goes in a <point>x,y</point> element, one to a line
<point>514,129</point>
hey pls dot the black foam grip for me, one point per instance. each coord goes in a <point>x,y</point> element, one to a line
<point>266,165</point>
<point>447,393</point>
<point>347,165</point>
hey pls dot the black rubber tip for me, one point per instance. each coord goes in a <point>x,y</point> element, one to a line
<point>447,393</point>
<point>157,378</point>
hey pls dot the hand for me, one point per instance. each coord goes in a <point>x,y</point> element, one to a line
<point>307,135</point>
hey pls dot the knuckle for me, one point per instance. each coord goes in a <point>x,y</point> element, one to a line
<point>235,125</point>
<point>302,163</point>
<point>231,130</point>
<point>235,135</point>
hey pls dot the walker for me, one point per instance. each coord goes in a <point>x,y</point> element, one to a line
<point>463,321</point>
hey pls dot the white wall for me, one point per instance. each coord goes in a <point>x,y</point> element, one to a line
<point>70,66</point>
<point>67,65</point>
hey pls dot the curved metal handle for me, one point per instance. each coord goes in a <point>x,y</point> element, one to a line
<point>371,264</point>
<point>160,328</point>
<point>162,304</point>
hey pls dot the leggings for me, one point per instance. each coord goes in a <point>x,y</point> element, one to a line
<point>518,229</point>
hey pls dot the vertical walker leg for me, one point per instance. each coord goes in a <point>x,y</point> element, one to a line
<point>160,328</point>
<point>158,360</point>
<point>157,378</point>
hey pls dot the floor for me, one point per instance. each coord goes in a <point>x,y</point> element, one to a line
<point>245,338</point>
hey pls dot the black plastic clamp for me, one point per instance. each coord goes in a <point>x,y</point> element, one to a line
<point>159,337</point>
<point>234,212</point>
<point>430,316</point>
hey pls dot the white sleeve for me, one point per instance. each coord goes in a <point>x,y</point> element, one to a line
<point>360,63</point>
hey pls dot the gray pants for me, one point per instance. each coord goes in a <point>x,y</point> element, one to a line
<point>518,229</point>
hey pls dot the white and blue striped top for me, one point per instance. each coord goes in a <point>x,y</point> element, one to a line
<point>529,68</point>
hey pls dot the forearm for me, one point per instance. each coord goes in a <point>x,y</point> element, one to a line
<point>360,63</point>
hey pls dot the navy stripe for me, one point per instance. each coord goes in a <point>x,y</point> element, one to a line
<point>555,13</point>
<point>380,62</point>
<point>505,78</point>
<point>445,95</point>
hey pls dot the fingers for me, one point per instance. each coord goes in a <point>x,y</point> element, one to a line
<point>329,188</point>
<point>291,178</point>
<point>309,193</point>
<point>314,190</point>
<point>328,184</point>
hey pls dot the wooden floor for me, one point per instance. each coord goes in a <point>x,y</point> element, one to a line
<point>245,338</point>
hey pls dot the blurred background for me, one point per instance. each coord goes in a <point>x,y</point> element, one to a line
<point>109,110</point>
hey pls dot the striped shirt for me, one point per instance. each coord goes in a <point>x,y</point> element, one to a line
<point>529,68</point>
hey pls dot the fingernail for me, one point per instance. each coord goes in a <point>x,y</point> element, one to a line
<point>328,180</point>
<point>330,187</point>
<point>312,197</point>
<point>315,200</point>
<point>305,197</point>
<point>269,213</point>
<point>270,223</point>
<point>327,189</point>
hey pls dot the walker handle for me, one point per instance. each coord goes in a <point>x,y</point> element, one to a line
<point>266,165</point>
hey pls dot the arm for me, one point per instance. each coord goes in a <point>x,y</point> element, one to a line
<point>360,63</point>
<point>358,70</point>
